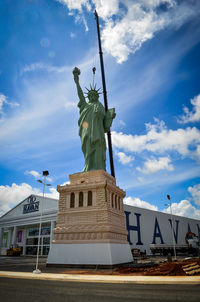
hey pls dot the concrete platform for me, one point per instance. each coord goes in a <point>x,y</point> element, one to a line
<point>88,255</point>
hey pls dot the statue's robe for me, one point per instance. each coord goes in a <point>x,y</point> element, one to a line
<point>93,123</point>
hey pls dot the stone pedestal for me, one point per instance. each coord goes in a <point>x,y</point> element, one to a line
<point>90,227</point>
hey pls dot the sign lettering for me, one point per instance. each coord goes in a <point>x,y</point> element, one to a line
<point>32,206</point>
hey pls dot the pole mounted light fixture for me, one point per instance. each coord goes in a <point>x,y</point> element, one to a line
<point>173,240</point>
<point>45,174</point>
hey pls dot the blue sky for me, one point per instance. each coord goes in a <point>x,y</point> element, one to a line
<point>151,55</point>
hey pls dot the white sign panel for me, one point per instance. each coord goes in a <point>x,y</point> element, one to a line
<point>147,227</point>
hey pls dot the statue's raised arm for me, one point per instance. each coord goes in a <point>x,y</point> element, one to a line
<point>76,73</point>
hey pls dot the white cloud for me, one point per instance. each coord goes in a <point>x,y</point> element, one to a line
<point>41,66</point>
<point>184,208</point>
<point>53,193</point>
<point>122,123</point>
<point>159,139</point>
<point>195,192</point>
<point>12,195</point>
<point>141,21</point>
<point>106,8</point>
<point>134,21</point>
<point>70,106</point>
<point>35,174</point>
<point>194,115</point>
<point>136,202</point>
<point>123,158</point>
<point>76,4</point>
<point>154,165</point>
<point>72,35</point>
<point>4,100</point>
<point>65,183</point>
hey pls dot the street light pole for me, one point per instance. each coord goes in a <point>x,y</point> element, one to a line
<point>173,239</point>
<point>45,174</point>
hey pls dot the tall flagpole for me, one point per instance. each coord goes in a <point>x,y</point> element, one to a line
<point>105,95</point>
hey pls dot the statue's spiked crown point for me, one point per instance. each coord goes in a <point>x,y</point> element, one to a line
<point>92,89</point>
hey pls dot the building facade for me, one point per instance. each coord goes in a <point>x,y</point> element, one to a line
<point>20,226</point>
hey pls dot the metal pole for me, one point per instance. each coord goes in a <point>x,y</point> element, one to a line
<point>172,232</point>
<point>45,174</point>
<point>173,240</point>
<point>104,94</point>
<point>37,271</point>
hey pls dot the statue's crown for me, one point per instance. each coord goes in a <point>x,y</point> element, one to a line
<point>92,89</point>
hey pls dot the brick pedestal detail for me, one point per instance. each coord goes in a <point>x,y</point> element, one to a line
<point>90,227</point>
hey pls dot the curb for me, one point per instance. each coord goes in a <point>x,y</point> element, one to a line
<point>104,278</point>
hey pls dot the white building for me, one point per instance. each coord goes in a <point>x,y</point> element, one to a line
<point>21,226</point>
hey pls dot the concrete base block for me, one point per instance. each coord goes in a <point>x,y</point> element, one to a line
<point>89,254</point>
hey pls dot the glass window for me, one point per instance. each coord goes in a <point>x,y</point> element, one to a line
<point>112,200</point>
<point>119,201</point>
<point>46,240</point>
<point>45,250</point>
<point>115,201</point>
<point>90,198</point>
<point>46,231</point>
<point>32,241</point>
<point>81,199</point>
<point>72,200</point>
<point>33,232</point>
<point>32,250</point>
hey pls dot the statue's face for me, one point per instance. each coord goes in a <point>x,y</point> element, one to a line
<point>93,96</point>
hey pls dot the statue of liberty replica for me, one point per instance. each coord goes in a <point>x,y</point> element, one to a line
<point>93,123</point>
<point>91,227</point>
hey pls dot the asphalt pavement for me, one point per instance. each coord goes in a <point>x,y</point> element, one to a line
<point>31,290</point>
<point>18,283</point>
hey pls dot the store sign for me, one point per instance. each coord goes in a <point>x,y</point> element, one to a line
<point>31,206</point>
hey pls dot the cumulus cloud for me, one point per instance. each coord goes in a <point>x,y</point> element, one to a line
<point>160,139</point>
<point>76,4</point>
<point>123,158</point>
<point>137,202</point>
<point>130,23</point>
<point>195,192</point>
<point>53,193</point>
<point>10,196</point>
<point>184,208</point>
<point>154,165</point>
<point>194,115</point>
<point>33,173</point>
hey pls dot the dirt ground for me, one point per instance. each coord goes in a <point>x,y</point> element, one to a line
<point>149,266</point>
<point>182,267</point>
